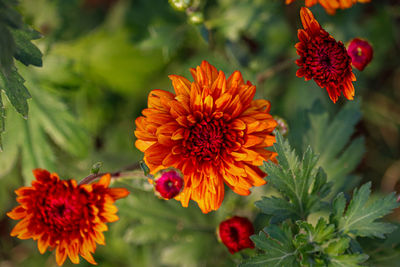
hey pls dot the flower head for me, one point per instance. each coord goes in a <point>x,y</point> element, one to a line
<point>235,233</point>
<point>330,6</point>
<point>62,215</point>
<point>211,130</point>
<point>323,59</point>
<point>361,53</point>
<point>169,184</point>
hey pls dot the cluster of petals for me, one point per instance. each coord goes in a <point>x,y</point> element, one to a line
<point>361,53</point>
<point>331,5</point>
<point>212,130</point>
<point>65,216</point>
<point>235,233</point>
<point>323,59</point>
<point>169,184</point>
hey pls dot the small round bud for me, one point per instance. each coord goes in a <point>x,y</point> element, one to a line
<point>196,18</point>
<point>169,184</point>
<point>180,5</point>
<point>235,233</point>
<point>282,126</point>
<point>361,53</point>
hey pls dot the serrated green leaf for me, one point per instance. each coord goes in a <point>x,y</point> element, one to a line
<point>320,233</point>
<point>25,51</point>
<point>13,85</point>
<point>280,209</point>
<point>361,214</point>
<point>277,246</point>
<point>337,247</point>
<point>338,205</point>
<point>15,43</point>
<point>49,118</point>
<point>7,48</point>
<point>330,138</point>
<point>302,185</point>
<point>58,122</point>
<point>353,260</point>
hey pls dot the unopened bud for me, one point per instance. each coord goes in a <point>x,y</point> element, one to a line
<point>361,53</point>
<point>169,183</point>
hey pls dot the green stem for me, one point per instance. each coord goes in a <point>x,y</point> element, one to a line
<point>114,175</point>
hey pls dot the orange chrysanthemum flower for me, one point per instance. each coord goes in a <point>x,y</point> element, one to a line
<point>331,5</point>
<point>62,215</point>
<point>211,130</point>
<point>323,59</point>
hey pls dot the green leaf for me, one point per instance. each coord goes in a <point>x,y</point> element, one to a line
<point>277,246</point>
<point>278,207</point>
<point>353,260</point>
<point>361,215</point>
<point>320,233</point>
<point>15,42</point>
<point>25,51</point>
<point>330,137</point>
<point>49,118</point>
<point>337,247</point>
<point>301,184</point>
<point>13,84</point>
<point>7,48</point>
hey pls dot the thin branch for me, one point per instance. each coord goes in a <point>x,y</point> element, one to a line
<point>268,73</point>
<point>114,175</point>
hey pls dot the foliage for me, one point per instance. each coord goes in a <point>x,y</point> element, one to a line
<point>329,136</point>
<point>30,138</point>
<point>326,242</point>
<point>15,43</point>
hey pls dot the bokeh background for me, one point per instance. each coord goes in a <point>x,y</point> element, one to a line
<point>102,58</point>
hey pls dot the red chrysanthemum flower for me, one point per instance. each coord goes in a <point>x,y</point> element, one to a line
<point>323,59</point>
<point>169,184</point>
<point>211,130</point>
<point>330,6</point>
<point>62,215</point>
<point>361,53</point>
<point>235,233</point>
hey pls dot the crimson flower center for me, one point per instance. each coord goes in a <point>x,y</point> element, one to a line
<point>206,139</point>
<point>62,213</point>
<point>327,60</point>
<point>234,234</point>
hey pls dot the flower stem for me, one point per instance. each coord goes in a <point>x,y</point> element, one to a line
<point>270,72</point>
<point>114,175</point>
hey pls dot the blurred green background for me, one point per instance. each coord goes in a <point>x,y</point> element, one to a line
<point>102,58</point>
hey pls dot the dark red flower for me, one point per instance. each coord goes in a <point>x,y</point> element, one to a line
<point>170,184</point>
<point>361,53</point>
<point>323,59</point>
<point>235,233</point>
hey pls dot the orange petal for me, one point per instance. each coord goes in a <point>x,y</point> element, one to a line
<point>117,193</point>
<point>180,84</point>
<point>307,18</point>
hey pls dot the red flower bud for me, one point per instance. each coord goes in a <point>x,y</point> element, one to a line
<point>170,184</point>
<point>361,53</point>
<point>235,233</point>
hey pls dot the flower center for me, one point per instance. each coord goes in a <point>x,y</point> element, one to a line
<point>62,213</point>
<point>327,60</point>
<point>234,234</point>
<point>206,139</point>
